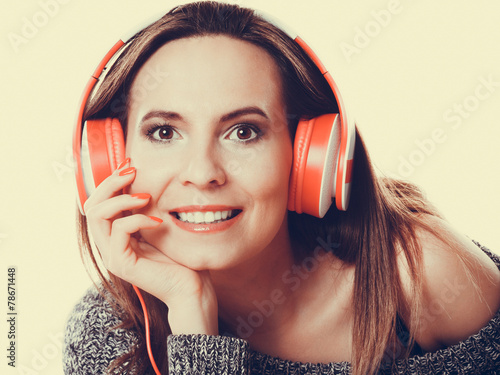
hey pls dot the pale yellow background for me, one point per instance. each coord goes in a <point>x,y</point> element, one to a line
<point>429,56</point>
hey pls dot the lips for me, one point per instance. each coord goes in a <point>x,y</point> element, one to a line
<point>205,218</point>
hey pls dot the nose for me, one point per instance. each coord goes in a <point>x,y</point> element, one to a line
<point>202,167</point>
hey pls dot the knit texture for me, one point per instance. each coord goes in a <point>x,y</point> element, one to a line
<point>91,341</point>
<point>91,344</point>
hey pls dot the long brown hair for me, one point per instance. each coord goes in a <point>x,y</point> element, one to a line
<point>381,219</point>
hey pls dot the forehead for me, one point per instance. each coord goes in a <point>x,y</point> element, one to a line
<point>200,68</point>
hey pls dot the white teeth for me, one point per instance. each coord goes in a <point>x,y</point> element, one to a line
<point>198,217</point>
<point>209,217</point>
<point>204,217</point>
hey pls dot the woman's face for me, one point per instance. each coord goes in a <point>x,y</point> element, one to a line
<point>207,134</point>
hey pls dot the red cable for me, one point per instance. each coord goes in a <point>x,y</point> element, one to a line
<point>146,323</point>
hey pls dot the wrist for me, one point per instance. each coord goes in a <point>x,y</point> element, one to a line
<point>196,316</point>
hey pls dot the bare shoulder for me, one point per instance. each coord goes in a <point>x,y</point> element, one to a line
<point>461,287</point>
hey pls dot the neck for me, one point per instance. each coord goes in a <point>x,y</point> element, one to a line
<point>252,296</point>
<point>267,294</point>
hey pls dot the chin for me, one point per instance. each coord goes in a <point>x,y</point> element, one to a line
<point>196,255</point>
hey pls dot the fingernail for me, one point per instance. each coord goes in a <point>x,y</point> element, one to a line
<point>141,196</point>
<point>156,219</point>
<point>127,171</point>
<point>124,163</point>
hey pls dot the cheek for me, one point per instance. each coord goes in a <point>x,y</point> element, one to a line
<point>267,175</point>
<point>153,174</point>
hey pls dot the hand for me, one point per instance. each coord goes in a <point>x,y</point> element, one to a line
<point>188,294</point>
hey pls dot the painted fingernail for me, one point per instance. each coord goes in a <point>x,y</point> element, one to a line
<point>124,163</point>
<point>141,196</point>
<point>127,171</point>
<point>156,219</point>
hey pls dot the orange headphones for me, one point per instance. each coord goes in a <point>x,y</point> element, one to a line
<point>323,149</point>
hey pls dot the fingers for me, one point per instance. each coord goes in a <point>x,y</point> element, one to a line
<point>108,218</point>
<point>107,201</point>
<point>119,256</point>
<point>103,216</point>
<point>112,185</point>
<point>123,227</point>
<point>116,205</point>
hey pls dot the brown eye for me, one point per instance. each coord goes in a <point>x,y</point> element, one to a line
<point>244,133</point>
<point>162,133</point>
<point>165,133</point>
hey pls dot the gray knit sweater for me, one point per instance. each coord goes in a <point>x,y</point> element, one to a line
<point>91,344</point>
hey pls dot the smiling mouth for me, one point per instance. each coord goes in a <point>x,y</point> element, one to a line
<point>206,217</point>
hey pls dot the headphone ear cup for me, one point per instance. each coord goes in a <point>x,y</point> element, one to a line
<point>103,149</point>
<point>316,150</point>
<point>300,150</point>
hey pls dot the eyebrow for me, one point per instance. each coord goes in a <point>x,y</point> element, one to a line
<point>169,115</point>
<point>244,111</point>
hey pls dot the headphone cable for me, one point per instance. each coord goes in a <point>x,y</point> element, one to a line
<point>148,335</point>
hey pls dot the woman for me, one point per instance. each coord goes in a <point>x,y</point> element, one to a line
<point>196,217</point>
